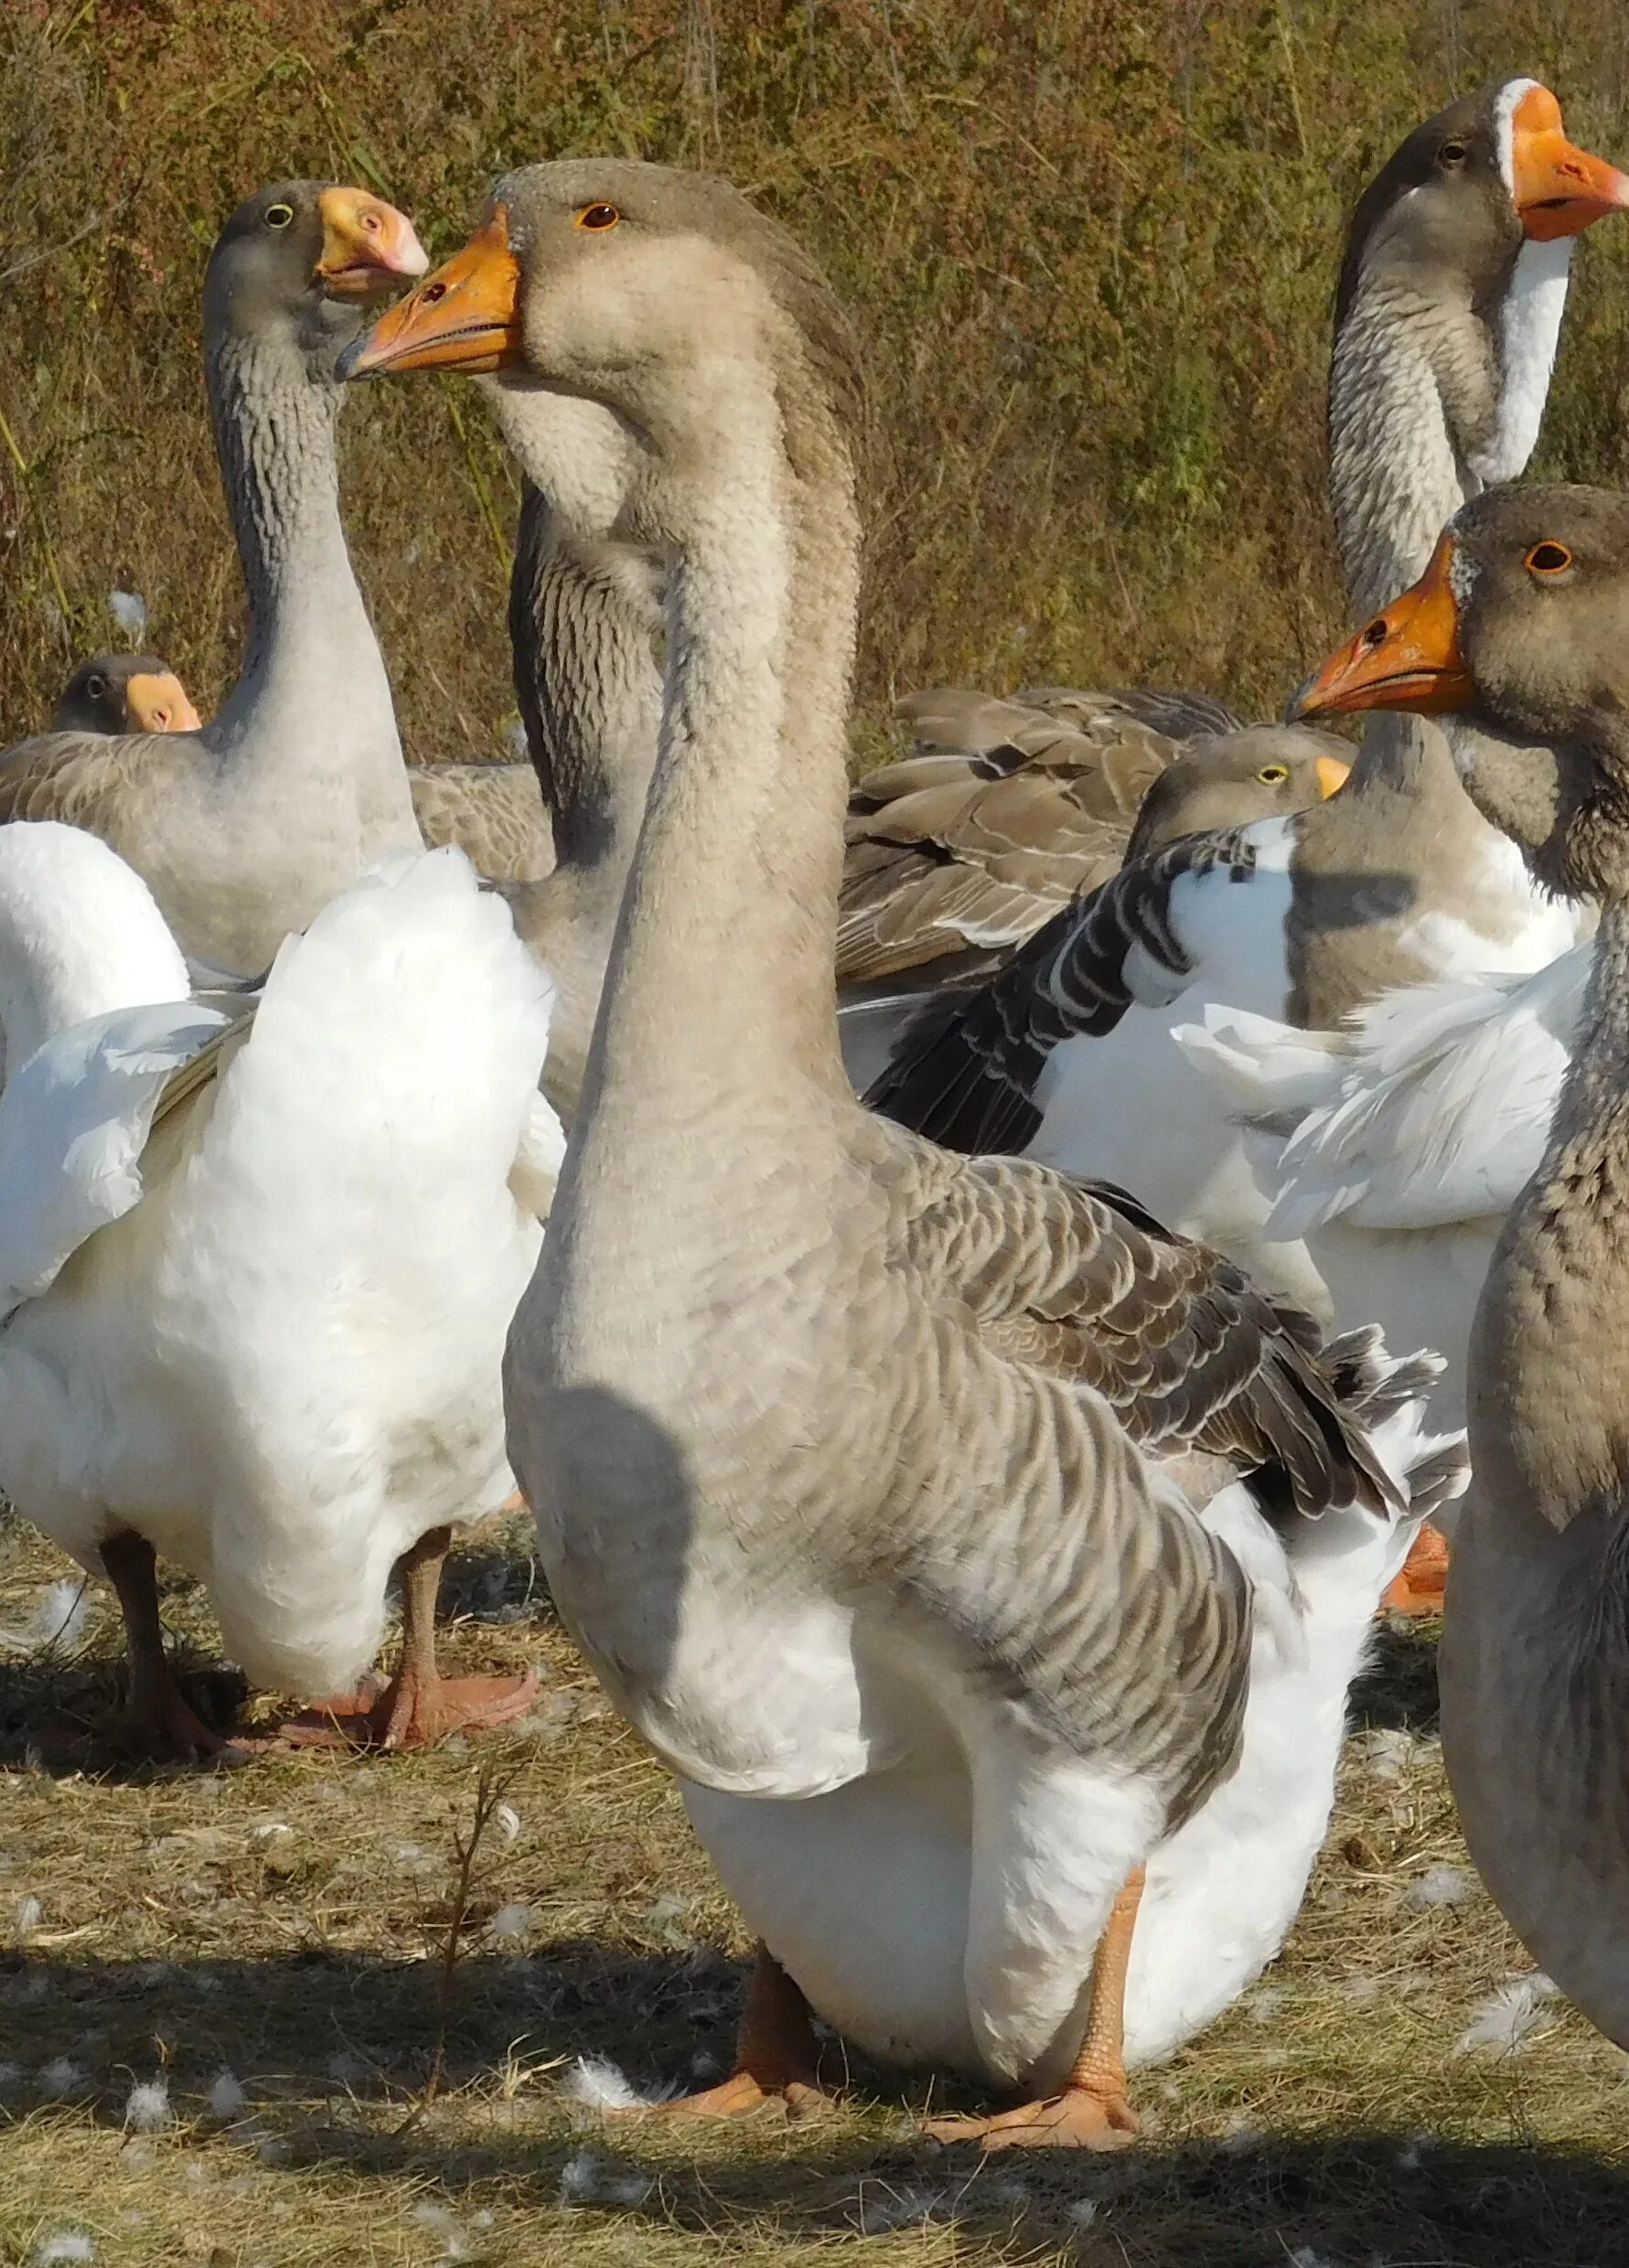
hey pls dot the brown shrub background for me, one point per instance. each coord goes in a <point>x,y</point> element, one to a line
<point>1093,245</point>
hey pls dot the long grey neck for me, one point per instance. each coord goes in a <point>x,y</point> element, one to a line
<point>581,617</point>
<point>1422,392</point>
<point>1413,391</point>
<point>1548,1354</point>
<point>722,975</point>
<point>312,675</point>
<point>1413,394</point>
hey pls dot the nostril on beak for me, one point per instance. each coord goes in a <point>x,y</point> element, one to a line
<point>1376,633</point>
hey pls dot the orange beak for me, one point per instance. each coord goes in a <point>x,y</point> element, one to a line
<point>464,317</point>
<point>1408,657</point>
<point>1560,190</point>
<point>366,244</point>
<point>159,704</point>
<point>1332,775</point>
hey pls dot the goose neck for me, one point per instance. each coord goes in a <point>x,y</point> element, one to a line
<point>1594,1102</point>
<point>308,630</point>
<point>1548,1354</point>
<point>582,619</point>
<point>722,966</point>
<point>1429,394</point>
<point>1413,394</point>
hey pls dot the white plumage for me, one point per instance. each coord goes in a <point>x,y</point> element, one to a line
<point>867,1894</point>
<point>1396,1145</point>
<point>265,1335</point>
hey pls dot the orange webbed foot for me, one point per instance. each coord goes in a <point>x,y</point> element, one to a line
<point>1420,1587</point>
<point>1078,2119</point>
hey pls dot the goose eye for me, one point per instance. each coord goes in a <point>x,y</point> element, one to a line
<point>279,216</point>
<point>1549,559</point>
<point>598,217</point>
<point>1273,774</point>
<point>1452,154</point>
<point>96,687</point>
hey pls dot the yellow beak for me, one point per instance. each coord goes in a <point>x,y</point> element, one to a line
<point>367,244</point>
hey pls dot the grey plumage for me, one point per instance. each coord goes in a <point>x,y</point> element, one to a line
<point>244,829</point>
<point>834,1437</point>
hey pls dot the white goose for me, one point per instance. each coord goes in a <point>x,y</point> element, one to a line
<point>861,1468</point>
<point>255,1276</point>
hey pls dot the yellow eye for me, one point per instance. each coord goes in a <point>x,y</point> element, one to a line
<point>1549,559</point>
<point>598,217</point>
<point>279,216</point>
<point>1273,774</point>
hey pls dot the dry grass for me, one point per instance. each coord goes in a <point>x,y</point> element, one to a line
<point>287,1923</point>
<point>1094,243</point>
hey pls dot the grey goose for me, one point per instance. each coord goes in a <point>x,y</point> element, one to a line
<point>860,1468</point>
<point>1446,315</point>
<point>246,827</point>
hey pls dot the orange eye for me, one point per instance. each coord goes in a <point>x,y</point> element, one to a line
<point>598,217</point>
<point>1549,559</point>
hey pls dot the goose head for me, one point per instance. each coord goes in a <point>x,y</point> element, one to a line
<point>1465,191</point>
<point>124,694</point>
<point>639,287</point>
<point>1447,319</point>
<point>1228,780</point>
<point>300,257</point>
<point>1518,636</point>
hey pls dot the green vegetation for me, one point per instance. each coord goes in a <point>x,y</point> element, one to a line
<point>1093,244</point>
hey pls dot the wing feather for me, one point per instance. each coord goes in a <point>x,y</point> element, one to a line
<point>966,1071</point>
<point>494,812</point>
<point>1077,1280</point>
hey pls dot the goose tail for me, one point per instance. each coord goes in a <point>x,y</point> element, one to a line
<point>364,1202</point>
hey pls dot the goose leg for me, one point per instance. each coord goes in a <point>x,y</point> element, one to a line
<point>160,1722</point>
<point>1092,2112</point>
<point>777,2054</point>
<point>418,1705</point>
<point>1420,1587</point>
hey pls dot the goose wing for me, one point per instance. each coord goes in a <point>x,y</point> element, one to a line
<point>1076,1279</point>
<point>1003,816</point>
<point>494,812</point>
<point>965,1073</point>
<point>74,1120</point>
<point>1431,1109</point>
<point>1178,716</point>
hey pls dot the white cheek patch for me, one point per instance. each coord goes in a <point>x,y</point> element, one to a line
<point>1529,319</point>
<point>1510,99</point>
<point>1529,330</point>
